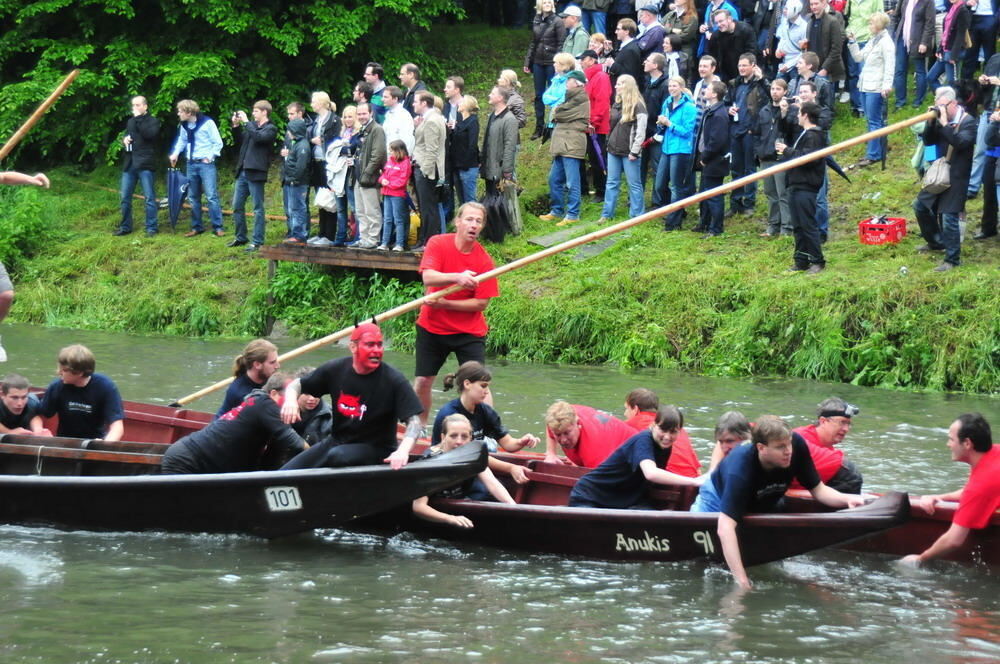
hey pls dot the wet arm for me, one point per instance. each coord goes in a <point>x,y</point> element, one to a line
<point>731,549</point>
<point>422,509</point>
<point>952,539</point>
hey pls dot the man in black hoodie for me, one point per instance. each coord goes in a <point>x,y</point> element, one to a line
<point>256,144</point>
<point>141,133</point>
<point>711,158</point>
<point>804,183</point>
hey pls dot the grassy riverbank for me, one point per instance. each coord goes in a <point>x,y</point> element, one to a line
<point>723,306</point>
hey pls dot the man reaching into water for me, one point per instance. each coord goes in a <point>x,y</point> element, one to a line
<point>970,441</point>
<point>754,478</point>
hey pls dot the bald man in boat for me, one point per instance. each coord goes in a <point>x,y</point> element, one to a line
<point>369,398</point>
<point>754,478</point>
<point>586,436</point>
<point>970,441</point>
<point>833,422</point>
<point>641,406</point>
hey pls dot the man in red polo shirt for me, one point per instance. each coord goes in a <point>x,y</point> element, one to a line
<point>971,442</point>
<point>587,436</point>
<point>832,424</point>
<point>455,323</point>
<point>641,406</point>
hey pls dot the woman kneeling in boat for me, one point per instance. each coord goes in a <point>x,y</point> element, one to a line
<point>473,382</point>
<point>621,480</point>
<point>236,441</point>
<point>457,431</point>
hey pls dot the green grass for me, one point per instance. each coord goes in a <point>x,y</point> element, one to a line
<point>720,307</point>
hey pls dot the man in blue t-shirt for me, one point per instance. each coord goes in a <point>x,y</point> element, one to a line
<point>88,404</point>
<point>18,409</point>
<point>754,478</point>
<point>621,481</point>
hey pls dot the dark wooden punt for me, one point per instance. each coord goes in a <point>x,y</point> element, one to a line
<point>540,522</point>
<point>150,422</point>
<point>99,485</point>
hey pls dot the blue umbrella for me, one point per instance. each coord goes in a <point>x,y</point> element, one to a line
<point>177,186</point>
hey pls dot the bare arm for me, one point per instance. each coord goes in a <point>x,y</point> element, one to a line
<point>438,279</point>
<point>929,503</point>
<point>401,456</point>
<point>290,409</point>
<point>512,444</point>
<point>731,550</point>
<point>423,510</point>
<point>833,498</point>
<point>660,476</point>
<point>470,304</point>
<point>952,539</point>
<point>717,457</point>
<point>515,471</point>
<point>13,177</point>
<point>115,430</point>
<point>552,452</point>
<point>496,489</point>
<point>38,426</point>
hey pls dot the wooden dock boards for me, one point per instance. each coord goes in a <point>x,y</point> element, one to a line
<point>372,259</point>
<point>586,251</point>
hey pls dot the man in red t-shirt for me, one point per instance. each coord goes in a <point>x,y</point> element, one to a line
<point>587,436</point>
<point>640,411</point>
<point>832,424</point>
<point>455,323</point>
<point>970,441</point>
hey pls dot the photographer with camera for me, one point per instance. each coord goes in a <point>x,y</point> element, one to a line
<point>951,136</point>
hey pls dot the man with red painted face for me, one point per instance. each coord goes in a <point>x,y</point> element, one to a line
<point>369,398</point>
<point>455,323</point>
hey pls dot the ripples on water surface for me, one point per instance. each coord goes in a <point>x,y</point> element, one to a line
<point>337,596</point>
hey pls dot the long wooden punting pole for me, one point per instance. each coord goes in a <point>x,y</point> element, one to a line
<point>584,239</point>
<point>36,116</point>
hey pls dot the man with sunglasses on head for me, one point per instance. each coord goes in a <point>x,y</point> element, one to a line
<point>833,421</point>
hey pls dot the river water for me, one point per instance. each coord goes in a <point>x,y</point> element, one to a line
<point>336,596</point>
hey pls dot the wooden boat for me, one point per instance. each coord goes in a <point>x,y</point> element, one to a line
<point>100,485</point>
<point>163,424</point>
<point>541,522</point>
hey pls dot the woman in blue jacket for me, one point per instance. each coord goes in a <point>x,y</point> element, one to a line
<point>677,122</point>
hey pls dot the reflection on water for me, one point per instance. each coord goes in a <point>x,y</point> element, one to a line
<point>336,596</point>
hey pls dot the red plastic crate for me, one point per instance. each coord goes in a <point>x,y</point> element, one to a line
<point>870,232</point>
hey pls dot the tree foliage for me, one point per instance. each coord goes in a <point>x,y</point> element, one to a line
<point>224,54</point>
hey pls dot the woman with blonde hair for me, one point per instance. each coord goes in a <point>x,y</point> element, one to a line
<point>677,122</point>
<point>628,130</point>
<point>325,128</point>
<point>508,79</point>
<point>463,150</point>
<point>555,94</point>
<point>339,173</point>
<point>878,58</point>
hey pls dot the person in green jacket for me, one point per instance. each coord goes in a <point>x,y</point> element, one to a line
<point>577,37</point>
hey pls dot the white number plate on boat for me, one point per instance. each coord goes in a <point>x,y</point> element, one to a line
<point>283,498</point>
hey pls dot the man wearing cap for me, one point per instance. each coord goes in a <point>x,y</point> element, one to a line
<point>577,38</point>
<point>455,323</point>
<point>970,441</point>
<point>369,398</point>
<point>832,424</point>
<point>651,33</point>
<point>568,149</point>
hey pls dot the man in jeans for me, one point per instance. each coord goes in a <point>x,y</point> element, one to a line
<point>956,129</point>
<point>367,167</point>
<point>141,133</point>
<point>256,143</point>
<point>198,138</point>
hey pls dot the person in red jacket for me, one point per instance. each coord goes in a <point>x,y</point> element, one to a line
<point>395,217</point>
<point>970,441</point>
<point>599,90</point>
<point>586,436</point>
<point>641,406</point>
<point>832,424</point>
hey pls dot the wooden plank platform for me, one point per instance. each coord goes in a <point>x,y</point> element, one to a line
<point>372,259</point>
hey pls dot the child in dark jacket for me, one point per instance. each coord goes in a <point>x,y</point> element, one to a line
<point>295,181</point>
<point>394,178</point>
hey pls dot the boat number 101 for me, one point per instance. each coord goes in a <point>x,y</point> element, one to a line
<point>283,498</point>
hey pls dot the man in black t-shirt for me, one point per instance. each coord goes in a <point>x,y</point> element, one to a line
<point>369,398</point>
<point>236,442</point>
